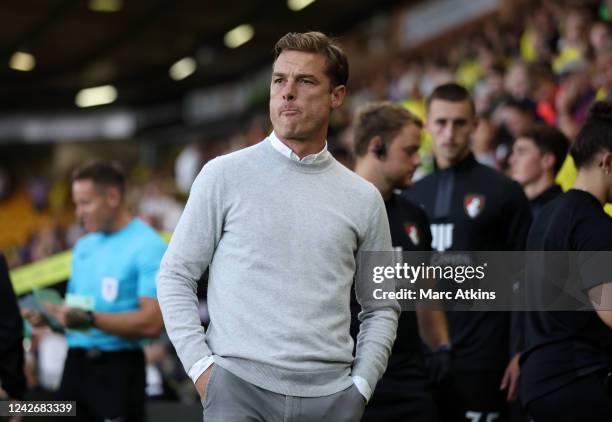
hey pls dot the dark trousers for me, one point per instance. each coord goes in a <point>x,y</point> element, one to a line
<point>585,399</point>
<point>401,400</point>
<point>105,385</point>
<point>473,397</point>
<point>12,376</point>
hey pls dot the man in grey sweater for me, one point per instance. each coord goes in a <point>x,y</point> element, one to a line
<point>280,226</point>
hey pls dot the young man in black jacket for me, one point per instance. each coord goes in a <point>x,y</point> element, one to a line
<point>537,156</point>
<point>387,141</point>
<point>471,207</point>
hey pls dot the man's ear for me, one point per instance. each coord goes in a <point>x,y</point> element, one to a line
<point>548,161</point>
<point>337,96</point>
<point>605,162</point>
<point>375,144</point>
<point>474,123</point>
<point>113,196</point>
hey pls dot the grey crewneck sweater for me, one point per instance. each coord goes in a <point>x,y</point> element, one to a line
<point>281,239</point>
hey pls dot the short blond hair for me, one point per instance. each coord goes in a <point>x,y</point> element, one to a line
<point>383,119</point>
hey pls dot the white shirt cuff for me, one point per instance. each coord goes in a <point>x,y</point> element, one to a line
<point>199,367</point>
<point>363,387</point>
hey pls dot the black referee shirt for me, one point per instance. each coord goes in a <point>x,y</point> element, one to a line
<point>562,346</point>
<point>472,207</point>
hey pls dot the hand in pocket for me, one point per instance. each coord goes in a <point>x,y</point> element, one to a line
<point>202,381</point>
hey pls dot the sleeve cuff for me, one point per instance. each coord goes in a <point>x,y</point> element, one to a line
<point>199,367</point>
<point>363,387</point>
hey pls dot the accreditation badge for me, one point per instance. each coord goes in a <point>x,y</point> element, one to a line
<point>110,289</point>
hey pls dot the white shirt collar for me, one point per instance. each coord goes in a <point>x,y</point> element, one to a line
<point>287,152</point>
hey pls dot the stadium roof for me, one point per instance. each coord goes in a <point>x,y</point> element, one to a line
<point>68,45</point>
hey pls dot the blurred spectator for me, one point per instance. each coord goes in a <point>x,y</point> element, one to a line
<point>544,91</point>
<point>490,89</point>
<point>574,98</point>
<point>52,349</point>
<point>517,82</point>
<point>46,242</point>
<point>483,142</point>
<point>600,36</point>
<point>538,43</point>
<point>537,156</point>
<point>603,77</point>
<point>573,44</point>
<point>187,167</point>
<point>515,115</point>
<point>512,117</point>
<point>158,208</point>
<point>159,366</point>
<point>38,189</point>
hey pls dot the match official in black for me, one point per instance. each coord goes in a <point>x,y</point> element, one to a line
<point>387,141</point>
<point>566,371</point>
<point>471,207</point>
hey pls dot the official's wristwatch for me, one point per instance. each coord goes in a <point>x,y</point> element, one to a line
<point>89,320</point>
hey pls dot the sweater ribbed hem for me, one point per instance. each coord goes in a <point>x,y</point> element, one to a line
<point>286,382</point>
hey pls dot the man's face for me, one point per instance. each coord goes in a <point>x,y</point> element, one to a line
<point>517,81</point>
<point>515,120</point>
<point>95,206</point>
<point>301,97</point>
<point>605,163</point>
<point>402,158</point>
<point>451,125</point>
<point>526,162</point>
<point>604,70</point>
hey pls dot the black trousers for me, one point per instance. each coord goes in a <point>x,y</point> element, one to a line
<point>585,399</point>
<point>401,400</point>
<point>105,385</point>
<point>12,376</point>
<point>472,397</point>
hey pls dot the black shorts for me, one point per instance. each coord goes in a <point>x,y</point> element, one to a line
<point>585,399</point>
<point>472,396</point>
<point>105,385</point>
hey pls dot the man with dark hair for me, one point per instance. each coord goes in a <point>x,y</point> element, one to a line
<point>471,207</point>
<point>544,87</point>
<point>336,63</point>
<point>110,302</point>
<point>281,226</point>
<point>537,156</point>
<point>515,115</point>
<point>453,93</point>
<point>387,141</point>
<point>566,370</point>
